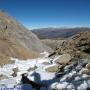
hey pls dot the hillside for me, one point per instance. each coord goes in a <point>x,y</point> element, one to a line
<point>57,33</point>
<point>16,41</point>
<point>52,42</point>
<point>77,46</point>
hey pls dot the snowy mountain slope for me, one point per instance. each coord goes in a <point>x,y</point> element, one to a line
<point>34,70</point>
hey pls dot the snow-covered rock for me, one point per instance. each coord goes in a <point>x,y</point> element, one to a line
<point>35,69</point>
<point>58,86</point>
<point>52,68</point>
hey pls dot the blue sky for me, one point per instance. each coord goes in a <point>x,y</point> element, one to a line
<point>49,13</point>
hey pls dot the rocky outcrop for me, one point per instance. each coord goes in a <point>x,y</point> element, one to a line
<point>77,46</point>
<point>59,63</point>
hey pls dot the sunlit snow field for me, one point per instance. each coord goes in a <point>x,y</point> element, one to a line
<point>35,70</point>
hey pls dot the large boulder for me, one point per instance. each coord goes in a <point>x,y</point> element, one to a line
<point>63,59</point>
<point>52,68</point>
<point>77,46</point>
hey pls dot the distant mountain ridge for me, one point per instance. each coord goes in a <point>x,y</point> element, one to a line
<point>54,33</point>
